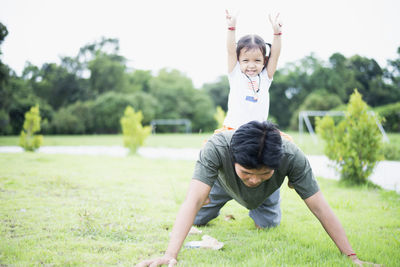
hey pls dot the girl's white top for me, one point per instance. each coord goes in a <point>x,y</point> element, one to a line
<point>242,108</point>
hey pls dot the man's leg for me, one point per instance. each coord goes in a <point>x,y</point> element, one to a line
<point>218,198</point>
<point>268,214</point>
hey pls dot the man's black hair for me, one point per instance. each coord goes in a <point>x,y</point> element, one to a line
<point>257,144</point>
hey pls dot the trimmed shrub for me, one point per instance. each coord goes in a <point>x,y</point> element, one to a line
<point>354,144</point>
<point>132,129</point>
<point>28,140</point>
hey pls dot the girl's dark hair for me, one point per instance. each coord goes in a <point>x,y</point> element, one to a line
<point>253,41</point>
<point>257,144</point>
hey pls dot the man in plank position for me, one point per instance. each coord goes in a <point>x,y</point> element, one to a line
<point>249,165</point>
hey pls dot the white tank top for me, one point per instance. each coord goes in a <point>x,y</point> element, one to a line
<point>244,104</point>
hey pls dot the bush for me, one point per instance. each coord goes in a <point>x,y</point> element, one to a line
<point>219,117</point>
<point>20,106</point>
<point>355,143</point>
<point>108,108</point>
<point>132,129</point>
<point>391,113</point>
<point>202,113</point>
<point>28,140</point>
<point>318,100</point>
<point>74,119</point>
<point>391,151</point>
<point>5,127</point>
<point>144,102</point>
<point>64,122</point>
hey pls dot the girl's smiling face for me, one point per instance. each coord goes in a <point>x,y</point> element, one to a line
<point>251,61</point>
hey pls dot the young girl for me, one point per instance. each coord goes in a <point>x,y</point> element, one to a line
<point>251,67</point>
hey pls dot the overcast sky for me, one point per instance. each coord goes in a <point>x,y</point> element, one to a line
<point>190,35</point>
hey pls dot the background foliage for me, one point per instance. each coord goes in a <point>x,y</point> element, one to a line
<point>88,93</point>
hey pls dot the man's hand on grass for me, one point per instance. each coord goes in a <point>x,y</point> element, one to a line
<point>165,260</point>
<point>359,262</point>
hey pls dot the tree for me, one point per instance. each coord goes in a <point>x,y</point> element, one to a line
<point>370,75</point>
<point>341,79</point>
<point>173,91</point>
<point>5,127</point>
<point>28,140</point>
<point>76,118</point>
<point>280,106</point>
<point>393,74</point>
<point>133,131</point>
<point>3,32</point>
<point>54,84</point>
<point>105,66</point>
<point>355,143</point>
<point>109,107</point>
<point>105,46</point>
<point>202,113</point>
<point>218,92</point>
<point>290,87</point>
<point>16,98</point>
<point>139,80</point>
<point>177,99</point>
<point>107,73</point>
<point>144,102</point>
<point>318,100</point>
<point>5,92</point>
<point>4,70</point>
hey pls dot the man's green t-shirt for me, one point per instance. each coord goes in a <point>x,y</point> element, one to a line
<point>216,163</point>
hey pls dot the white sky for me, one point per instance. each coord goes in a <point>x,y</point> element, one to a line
<point>190,35</point>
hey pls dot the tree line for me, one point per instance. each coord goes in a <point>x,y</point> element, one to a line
<point>88,93</point>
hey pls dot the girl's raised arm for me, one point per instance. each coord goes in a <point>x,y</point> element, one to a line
<point>231,41</point>
<point>276,45</point>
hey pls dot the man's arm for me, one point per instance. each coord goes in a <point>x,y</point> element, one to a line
<point>321,209</point>
<point>196,196</point>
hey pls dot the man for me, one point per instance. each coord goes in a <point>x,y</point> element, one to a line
<point>249,165</point>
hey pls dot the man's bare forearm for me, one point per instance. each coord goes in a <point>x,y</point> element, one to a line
<point>321,209</point>
<point>196,195</point>
<point>182,225</point>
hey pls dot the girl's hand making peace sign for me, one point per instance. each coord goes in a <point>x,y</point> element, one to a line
<point>276,24</point>
<point>230,19</point>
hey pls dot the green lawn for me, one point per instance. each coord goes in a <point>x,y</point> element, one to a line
<point>64,210</point>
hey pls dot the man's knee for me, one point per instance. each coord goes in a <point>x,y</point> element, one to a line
<point>204,216</point>
<point>266,216</point>
<point>268,223</point>
<point>216,200</point>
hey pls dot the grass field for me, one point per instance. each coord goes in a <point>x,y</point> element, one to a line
<point>305,141</point>
<point>63,210</point>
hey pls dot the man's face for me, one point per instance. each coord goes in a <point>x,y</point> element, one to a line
<point>253,177</point>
